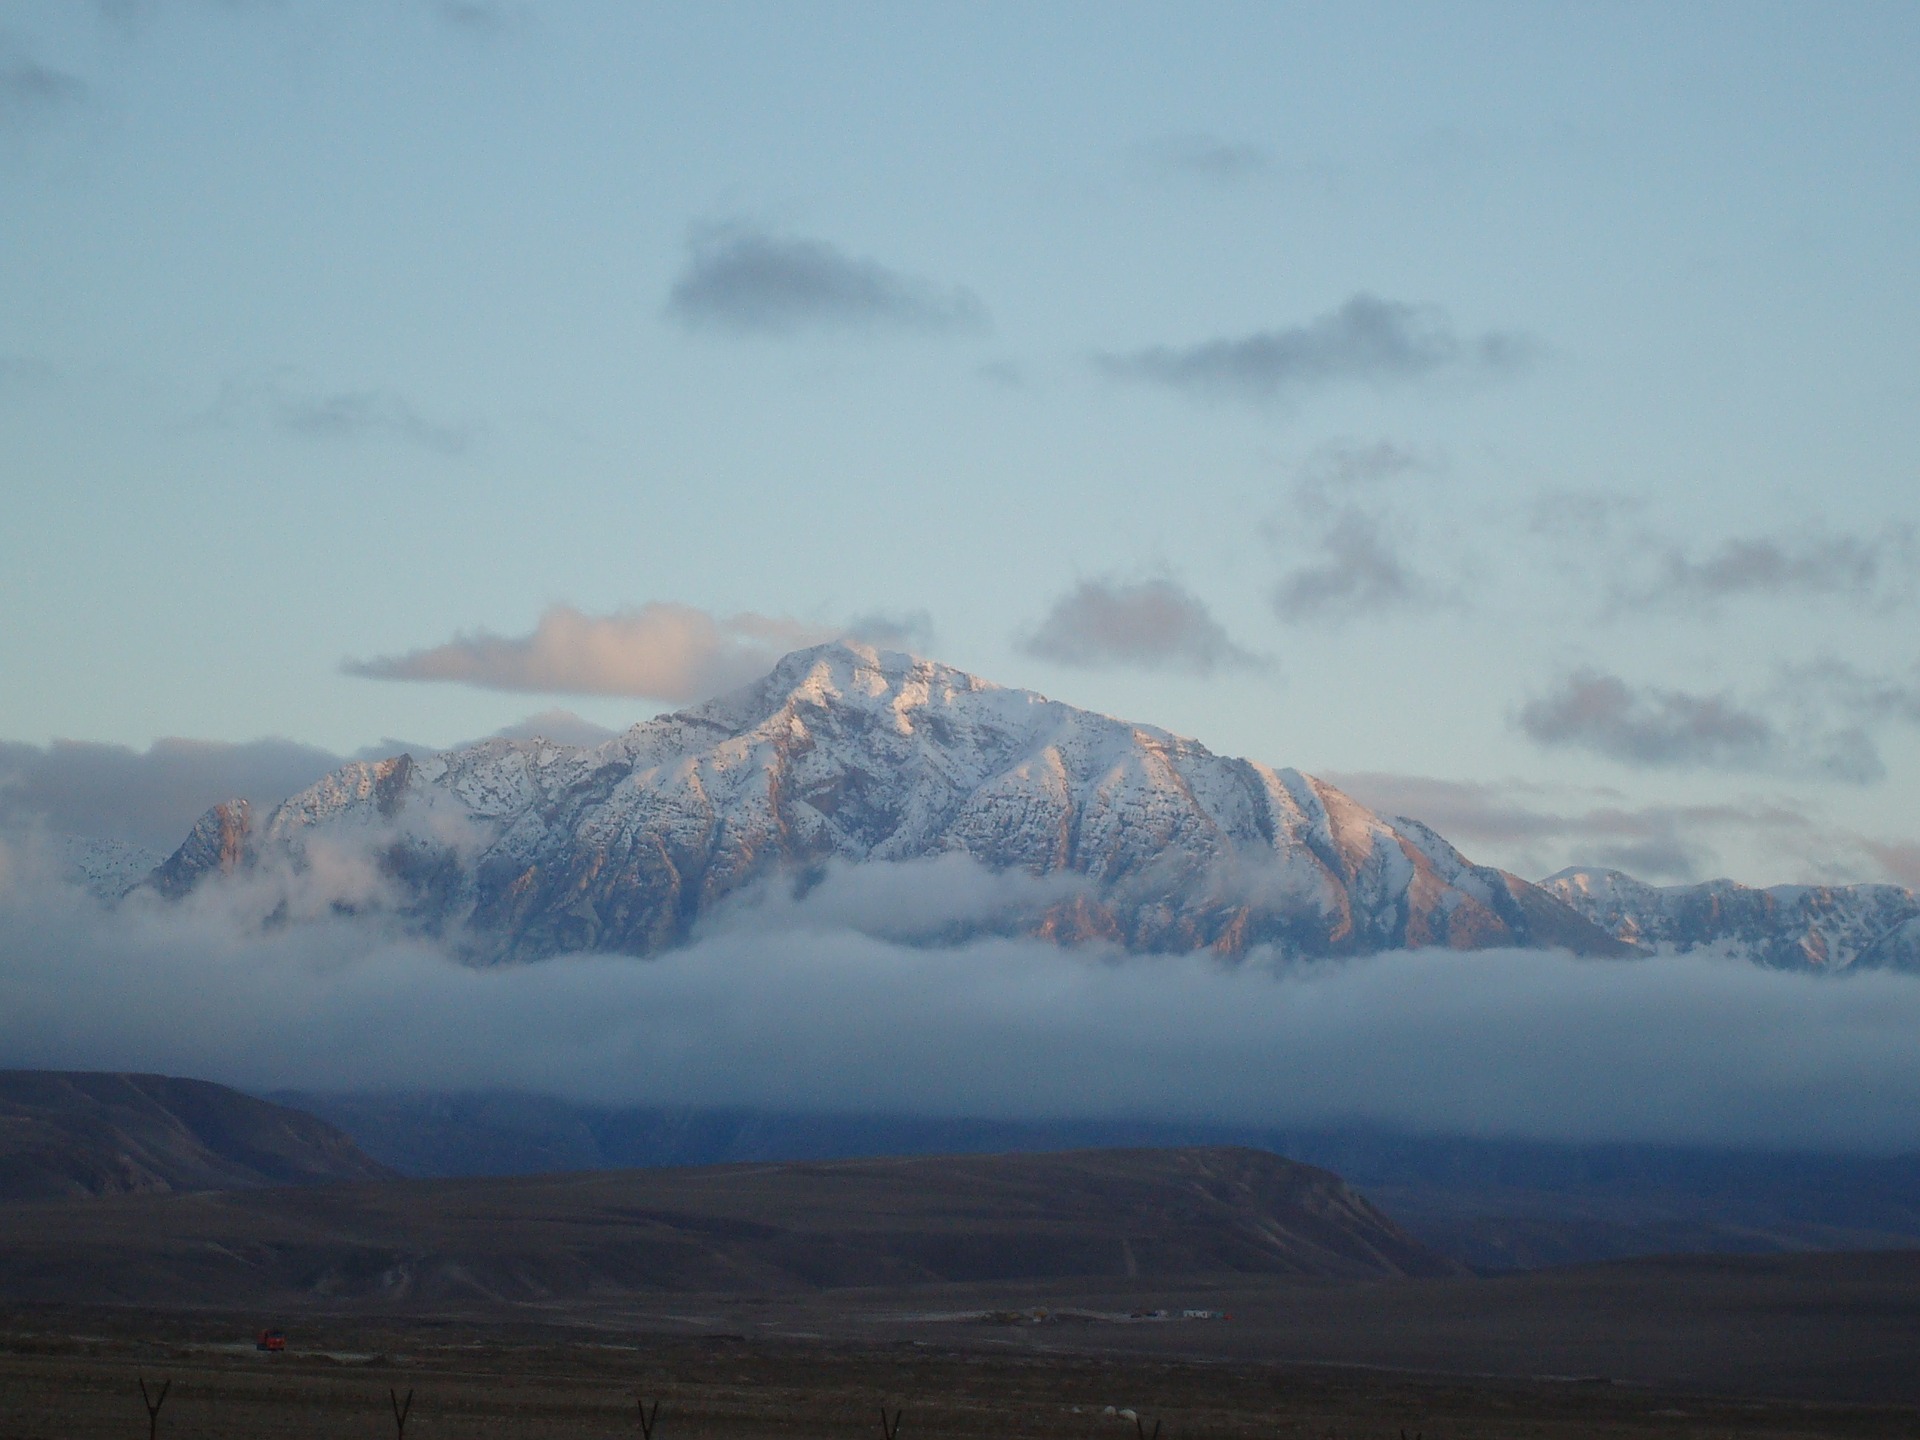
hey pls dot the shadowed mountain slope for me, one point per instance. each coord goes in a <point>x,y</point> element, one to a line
<point>1152,1214</point>
<point>95,1134</point>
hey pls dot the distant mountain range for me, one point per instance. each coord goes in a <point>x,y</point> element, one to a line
<point>1785,927</point>
<point>845,756</point>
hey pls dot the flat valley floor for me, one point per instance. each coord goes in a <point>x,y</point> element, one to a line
<point>1703,1348</point>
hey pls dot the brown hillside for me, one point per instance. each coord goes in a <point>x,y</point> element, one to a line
<point>65,1133</point>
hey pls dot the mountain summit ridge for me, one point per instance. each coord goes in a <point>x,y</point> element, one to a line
<point>844,754</point>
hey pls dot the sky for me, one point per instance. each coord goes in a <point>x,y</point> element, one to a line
<point>1508,412</point>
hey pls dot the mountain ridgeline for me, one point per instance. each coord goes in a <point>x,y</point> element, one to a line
<point>1818,928</point>
<point>846,756</point>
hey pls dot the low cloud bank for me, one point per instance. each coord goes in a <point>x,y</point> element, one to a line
<point>810,1006</point>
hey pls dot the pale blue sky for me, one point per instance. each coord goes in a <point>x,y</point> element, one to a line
<point>335,331</point>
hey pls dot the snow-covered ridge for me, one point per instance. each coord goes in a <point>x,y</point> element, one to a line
<point>850,755</point>
<point>1789,927</point>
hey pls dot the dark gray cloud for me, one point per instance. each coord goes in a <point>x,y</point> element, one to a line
<point>1144,624</point>
<point>742,280</point>
<point>1875,570</point>
<point>30,91</point>
<point>1652,727</point>
<point>146,797</point>
<point>660,651</point>
<point>1367,341</point>
<point>1602,713</point>
<point>818,1010</point>
<point>1204,157</point>
<point>1359,571</point>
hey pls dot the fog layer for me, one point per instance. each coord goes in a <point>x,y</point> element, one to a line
<point>807,1004</point>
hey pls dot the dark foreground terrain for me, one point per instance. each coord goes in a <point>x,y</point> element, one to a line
<point>1491,1203</point>
<point>69,1374</point>
<point>630,1236</point>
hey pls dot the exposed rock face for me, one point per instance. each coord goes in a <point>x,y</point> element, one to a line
<point>1786,927</point>
<point>846,754</point>
<point>217,843</point>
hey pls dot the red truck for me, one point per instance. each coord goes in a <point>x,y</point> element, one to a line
<point>271,1340</point>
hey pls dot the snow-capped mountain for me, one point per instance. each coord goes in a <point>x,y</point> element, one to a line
<point>1787,927</point>
<point>851,756</point>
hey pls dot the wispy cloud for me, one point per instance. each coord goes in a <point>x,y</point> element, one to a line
<point>30,91</point>
<point>660,651</point>
<point>1205,157</point>
<point>743,280</point>
<point>371,413</point>
<point>1818,724</point>
<point>1367,341</point>
<point>1154,624</point>
<point>1359,571</point>
<point>1874,569</point>
<point>563,727</point>
<point>471,17</point>
<point>1356,564</point>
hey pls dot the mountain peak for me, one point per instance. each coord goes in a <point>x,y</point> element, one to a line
<point>852,755</point>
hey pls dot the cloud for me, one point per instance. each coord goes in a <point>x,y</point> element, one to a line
<point>340,415</point>
<point>146,797</point>
<point>1357,567</point>
<point>1869,570</point>
<point>910,630</point>
<point>31,92</point>
<point>1145,624</point>
<point>820,1011</point>
<point>1367,341</point>
<point>744,281</point>
<point>1204,157</point>
<point>1651,727</point>
<point>471,17</point>
<point>660,651</point>
<point>1536,829</point>
<point>563,727</point>
<point>1360,572</point>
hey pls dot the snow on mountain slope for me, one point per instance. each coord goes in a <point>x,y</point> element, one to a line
<point>851,756</point>
<point>1788,927</point>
